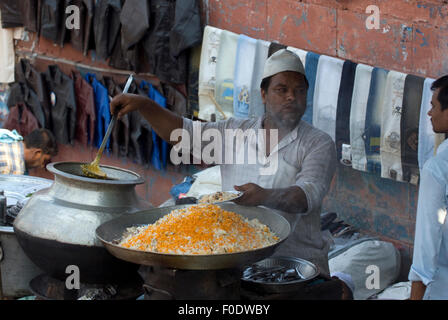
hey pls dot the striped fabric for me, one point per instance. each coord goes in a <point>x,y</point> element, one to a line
<point>410,118</point>
<point>207,73</point>
<point>326,92</point>
<point>11,158</point>
<point>373,120</point>
<point>390,151</point>
<point>380,114</point>
<point>244,68</point>
<point>344,106</point>
<point>225,70</point>
<point>311,62</point>
<point>256,106</point>
<point>360,97</point>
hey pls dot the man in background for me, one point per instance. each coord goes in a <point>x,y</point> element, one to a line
<point>429,270</point>
<point>18,154</point>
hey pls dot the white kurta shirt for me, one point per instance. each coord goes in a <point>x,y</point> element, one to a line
<point>306,158</point>
<point>430,260</point>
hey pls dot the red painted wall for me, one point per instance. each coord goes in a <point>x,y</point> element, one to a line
<point>413,34</point>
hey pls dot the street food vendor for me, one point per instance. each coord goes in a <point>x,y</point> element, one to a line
<point>294,169</point>
<point>18,154</point>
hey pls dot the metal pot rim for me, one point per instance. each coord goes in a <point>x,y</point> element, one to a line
<point>52,167</point>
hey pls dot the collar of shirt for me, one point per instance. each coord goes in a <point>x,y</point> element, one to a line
<point>442,146</point>
<point>55,74</point>
<point>285,141</point>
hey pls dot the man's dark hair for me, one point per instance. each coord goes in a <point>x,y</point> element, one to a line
<point>442,84</point>
<point>42,139</point>
<point>265,83</point>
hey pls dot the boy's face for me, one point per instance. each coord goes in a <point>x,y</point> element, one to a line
<point>439,117</point>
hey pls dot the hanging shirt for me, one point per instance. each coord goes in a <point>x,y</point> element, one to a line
<point>430,257</point>
<point>159,156</point>
<point>412,101</point>
<point>207,73</point>
<point>244,67</point>
<point>7,55</point>
<point>63,110</point>
<point>326,92</point>
<point>256,105</point>
<point>358,116</point>
<point>30,11</point>
<point>106,26</point>
<point>11,15</point>
<point>20,118</point>
<point>390,149</point>
<point>102,109</point>
<point>225,70</point>
<point>51,20</point>
<point>311,63</point>
<point>27,74</point>
<point>85,111</point>
<point>21,93</point>
<point>374,113</point>
<point>344,107</point>
<point>161,101</point>
<point>79,37</point>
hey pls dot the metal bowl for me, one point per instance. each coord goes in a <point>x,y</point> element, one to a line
<point>308,271</point>
<point>111,232</point>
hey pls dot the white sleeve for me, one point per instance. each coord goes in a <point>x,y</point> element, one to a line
<point>431,216</point>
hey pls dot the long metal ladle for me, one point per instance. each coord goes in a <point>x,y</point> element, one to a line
<point>93,170</point>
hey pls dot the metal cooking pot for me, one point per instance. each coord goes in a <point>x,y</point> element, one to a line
<point>56,228</point>
<point>111,232</point>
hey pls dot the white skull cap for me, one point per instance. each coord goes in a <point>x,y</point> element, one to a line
<point>283,60</point>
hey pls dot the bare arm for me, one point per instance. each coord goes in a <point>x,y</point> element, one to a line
<point>161,120</point>
<point>417,290</point>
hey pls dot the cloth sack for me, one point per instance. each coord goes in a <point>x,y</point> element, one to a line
<point>373,265</point>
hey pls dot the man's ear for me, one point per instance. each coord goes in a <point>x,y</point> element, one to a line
<point>263,96</point>
<point>36,153</point>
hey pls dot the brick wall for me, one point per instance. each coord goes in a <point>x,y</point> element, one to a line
<point>413,34</point>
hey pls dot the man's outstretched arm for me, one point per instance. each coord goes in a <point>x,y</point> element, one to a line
<point>162,120</point>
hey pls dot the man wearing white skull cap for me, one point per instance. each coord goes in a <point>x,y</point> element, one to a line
<point>304,157</point>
